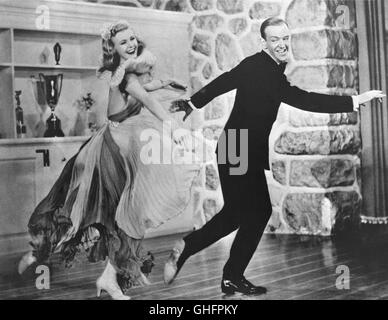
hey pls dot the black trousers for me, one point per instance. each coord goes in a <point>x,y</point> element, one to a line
<point>247,207</point>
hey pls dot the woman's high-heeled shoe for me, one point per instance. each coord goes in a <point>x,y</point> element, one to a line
<point>108,283</point>
<point>27,260</point>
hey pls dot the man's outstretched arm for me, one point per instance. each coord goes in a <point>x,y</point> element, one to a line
<point>323,103</point>
<point>220,85</point>
<point>314,102</point>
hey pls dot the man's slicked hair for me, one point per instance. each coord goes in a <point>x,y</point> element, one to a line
<point>273,21</point>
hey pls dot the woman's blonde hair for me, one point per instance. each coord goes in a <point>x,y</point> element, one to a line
<point>110,58</point>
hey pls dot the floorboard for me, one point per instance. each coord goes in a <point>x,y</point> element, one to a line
<point>291,267</point>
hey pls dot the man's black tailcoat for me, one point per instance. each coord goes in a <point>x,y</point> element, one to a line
<point>261,87</point>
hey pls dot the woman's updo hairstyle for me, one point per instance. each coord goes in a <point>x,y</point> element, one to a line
<point>110,58</point>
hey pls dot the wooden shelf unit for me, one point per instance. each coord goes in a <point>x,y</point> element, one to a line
<point>21,60</point>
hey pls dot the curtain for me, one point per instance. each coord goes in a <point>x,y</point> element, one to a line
<point>374,118</point>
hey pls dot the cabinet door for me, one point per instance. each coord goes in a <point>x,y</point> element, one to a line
<point>28,173</point>
<point>20,170</point>
<point>58,155</point>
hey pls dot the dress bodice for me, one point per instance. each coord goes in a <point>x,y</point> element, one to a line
<point>133,107</point>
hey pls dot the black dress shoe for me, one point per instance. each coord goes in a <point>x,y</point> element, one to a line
<point>242,285</point>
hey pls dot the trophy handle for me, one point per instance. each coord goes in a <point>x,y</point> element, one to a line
<point>33,83</point>
<point>43,80</point>
<point>60,76</point>
<point>41,77</point>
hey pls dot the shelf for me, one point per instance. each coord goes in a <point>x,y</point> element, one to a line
<point>5,65</point>
<point>55,67</point>
<point>85,36</point>
<point>32,141</point>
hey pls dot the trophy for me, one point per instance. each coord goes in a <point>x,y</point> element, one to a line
<point>20,127</point>
<point>52,86</point>
<point>57,52</point>
<point>37,88</point>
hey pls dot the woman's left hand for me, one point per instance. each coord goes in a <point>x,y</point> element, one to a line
<point>181,105</point>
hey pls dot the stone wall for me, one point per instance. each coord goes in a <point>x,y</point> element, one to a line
<point>315,176</point>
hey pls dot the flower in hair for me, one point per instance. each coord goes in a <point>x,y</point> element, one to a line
<point>106,31</point>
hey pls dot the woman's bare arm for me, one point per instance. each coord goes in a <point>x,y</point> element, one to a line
<point>136,90</point>
<point>155,85</point>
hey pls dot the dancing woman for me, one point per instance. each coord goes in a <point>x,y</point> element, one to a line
<point>107,196</point>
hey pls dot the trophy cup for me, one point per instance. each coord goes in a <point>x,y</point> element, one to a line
<point>20,127</point>
<point>52,86</point>
<point>37,89</point>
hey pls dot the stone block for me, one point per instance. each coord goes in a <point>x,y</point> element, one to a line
<point>146,3</point>
<point>332,13</point>
<point>195,63</point>
<point>212,179</point>
<point>251,43</point>
<point>212,132</point>
<point>238,25</point>
<point>209,208</point>
<point>196,84</point>
<point>299,118</point>
<point>347,206</point>
<point>323,173</point>
<point>276,193</point>
<point>279,171</point>
<point>202,43</point>
<point>230,6</point>
<point>227,56</point>
<point>201,5</point>
<point>207,70</point>
<point>274,223</point>
<point>302,212</point>
<point>176,5</point>
<point>264,10</point>
<point>215,110</point>
<point>322,142</point>
<point>209,22</point>
<point>324,44</point>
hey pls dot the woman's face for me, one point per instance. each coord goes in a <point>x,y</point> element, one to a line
<point>125,44</point>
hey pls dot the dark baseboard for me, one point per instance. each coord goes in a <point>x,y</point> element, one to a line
<point>365,236</point>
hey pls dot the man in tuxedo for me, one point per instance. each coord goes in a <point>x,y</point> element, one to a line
<point>261,87</point>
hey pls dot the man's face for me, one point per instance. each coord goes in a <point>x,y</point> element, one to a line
<point>278,42</point>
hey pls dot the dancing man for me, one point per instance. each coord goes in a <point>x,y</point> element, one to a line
<point>261,87</point>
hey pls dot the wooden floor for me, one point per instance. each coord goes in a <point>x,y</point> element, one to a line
<point>291,267</point>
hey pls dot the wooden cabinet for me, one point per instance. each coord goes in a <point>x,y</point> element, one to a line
<point>28,169</point>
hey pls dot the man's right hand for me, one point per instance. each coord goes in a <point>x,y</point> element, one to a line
<point>181,105</point>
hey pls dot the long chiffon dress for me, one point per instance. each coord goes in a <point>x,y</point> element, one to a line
<point>112,188</point>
